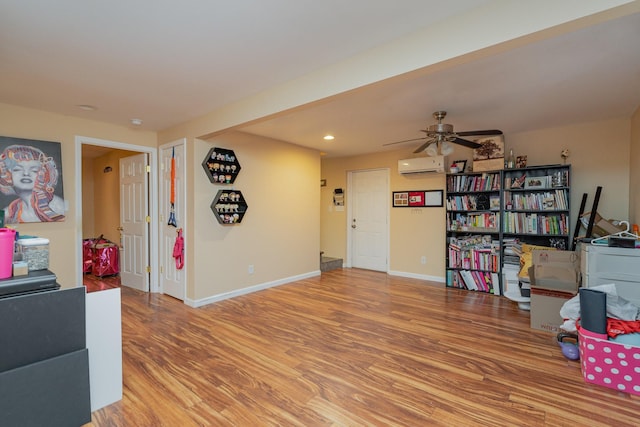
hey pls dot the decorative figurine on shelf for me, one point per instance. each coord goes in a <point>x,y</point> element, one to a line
<point>521,162</point>
<point>564,154</point>
<point>518,182</point>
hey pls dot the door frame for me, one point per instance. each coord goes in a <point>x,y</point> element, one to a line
<point>349,261</point>
<point>153,201</point>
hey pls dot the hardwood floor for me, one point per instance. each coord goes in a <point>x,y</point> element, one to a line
<point>350,348</point>
<point>95,283</point>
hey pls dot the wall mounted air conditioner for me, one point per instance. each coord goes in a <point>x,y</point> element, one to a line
<point>421,165</point>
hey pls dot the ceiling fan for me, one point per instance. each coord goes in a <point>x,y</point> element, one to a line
<point>441,134</point>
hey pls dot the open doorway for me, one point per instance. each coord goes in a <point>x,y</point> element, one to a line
<point>98,193</point>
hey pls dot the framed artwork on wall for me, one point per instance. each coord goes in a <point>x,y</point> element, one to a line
<point>31,187</point>
<point>418,199</point>
<point>461,165</point>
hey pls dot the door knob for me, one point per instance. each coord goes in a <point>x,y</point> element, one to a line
<point>353,223</point>
<point>120,229</point>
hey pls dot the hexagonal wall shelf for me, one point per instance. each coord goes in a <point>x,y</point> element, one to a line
<point>229,206</point>
<point>221,166</point>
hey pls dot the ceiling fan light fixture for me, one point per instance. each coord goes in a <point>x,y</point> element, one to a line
<point>445,148</point>
<point>432,150</point>
<point>441,136</point>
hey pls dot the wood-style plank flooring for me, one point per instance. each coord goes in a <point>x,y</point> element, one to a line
<point>350,348</point>
<point>95,283</point>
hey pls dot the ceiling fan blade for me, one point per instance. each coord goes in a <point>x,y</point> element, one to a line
<point>465,142</point>
<point>480,132</point>
<point>406,140</point>
<point>424,146</point>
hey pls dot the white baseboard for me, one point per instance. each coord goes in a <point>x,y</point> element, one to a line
<point>439,279</point>
<point>250,289</point>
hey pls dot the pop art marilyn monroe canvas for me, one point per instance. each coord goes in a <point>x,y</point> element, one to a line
<point>31,175</point>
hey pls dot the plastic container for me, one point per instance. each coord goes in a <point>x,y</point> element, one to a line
<point>36,252</point>
<point>608,363</point>
<point>7,246</point>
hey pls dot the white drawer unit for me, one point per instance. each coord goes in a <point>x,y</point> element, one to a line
<point>600,265</point>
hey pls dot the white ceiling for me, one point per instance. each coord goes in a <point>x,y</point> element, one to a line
<point>167,62</point>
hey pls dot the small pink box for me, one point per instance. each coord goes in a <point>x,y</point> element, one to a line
<point>609,363</point>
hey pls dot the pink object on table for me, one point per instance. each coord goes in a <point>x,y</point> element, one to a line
<point>7,245</point>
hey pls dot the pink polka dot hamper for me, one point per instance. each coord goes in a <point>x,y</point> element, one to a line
<point>608,363</point>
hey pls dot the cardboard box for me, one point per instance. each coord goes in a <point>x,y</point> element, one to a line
<point>488,165</point>
<point>556,270</point>
<point>554,280</point>
<point>545,309</point>
<point>601,227</point>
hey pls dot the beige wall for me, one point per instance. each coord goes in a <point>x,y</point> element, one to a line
<point>34,124</point>
<point>413,233</point>
<point>634,170</point>
<point>599,157</point>
<point>279,234</point>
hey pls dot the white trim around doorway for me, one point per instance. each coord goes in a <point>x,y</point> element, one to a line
<point>153,202</point>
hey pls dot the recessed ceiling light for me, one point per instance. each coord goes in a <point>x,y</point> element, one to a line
<point>87,107</point>
<point>329,137</point>
<point>136,122</point>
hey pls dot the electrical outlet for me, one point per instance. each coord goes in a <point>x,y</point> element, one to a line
<point>250,269</point>
<point>423,260</point>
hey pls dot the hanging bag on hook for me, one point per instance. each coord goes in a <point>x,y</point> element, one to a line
<point>178,250</point>
<point>172,208</point>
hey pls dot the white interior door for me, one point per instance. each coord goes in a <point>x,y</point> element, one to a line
<point>369,222</point>
<point>134,221</point>
<point>172,280</point>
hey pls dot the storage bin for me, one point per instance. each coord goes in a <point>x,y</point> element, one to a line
<point>105,260</point>
<point>608,363</point>
<point>88,252</point>
<point>35,252</point>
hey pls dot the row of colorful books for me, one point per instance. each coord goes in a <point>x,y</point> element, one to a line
<point>483,182</point>
<point>472,203</point>
<point>473,221</point>
<point>548,200</point>
<point>473,241</point>
<point>474,280</point>
<point>477,259</point>
<point>533,223</point>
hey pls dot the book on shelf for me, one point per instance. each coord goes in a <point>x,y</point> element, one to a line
<point>494,202</point>
<point>469,282</point>
<point>474,280</point>
<point>480,282</point>
<point>495,283</point>
<point>549,202</point>
<point>468,183</point>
